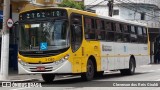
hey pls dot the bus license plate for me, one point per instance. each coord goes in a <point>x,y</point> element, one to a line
<point>40,68</point>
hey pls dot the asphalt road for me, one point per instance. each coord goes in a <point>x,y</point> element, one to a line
<point>147,77</point>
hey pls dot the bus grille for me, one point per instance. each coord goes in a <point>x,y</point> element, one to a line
<point>47,69</point>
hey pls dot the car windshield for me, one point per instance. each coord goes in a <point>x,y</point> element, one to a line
<point>51,35</point>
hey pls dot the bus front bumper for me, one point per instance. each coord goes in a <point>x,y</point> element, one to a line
<point>55,68</point>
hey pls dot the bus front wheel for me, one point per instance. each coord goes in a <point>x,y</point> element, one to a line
<point>48,77</point>
<point>88,75</point>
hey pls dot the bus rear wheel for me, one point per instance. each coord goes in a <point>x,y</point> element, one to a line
<point>132,66</point>
<point>131,69</point>
<point>48,78</point>
<point>89,74</point>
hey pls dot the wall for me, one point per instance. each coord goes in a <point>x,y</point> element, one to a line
<point>100,10</point>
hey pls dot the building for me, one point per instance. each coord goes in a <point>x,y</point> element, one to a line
<point>142,11</point>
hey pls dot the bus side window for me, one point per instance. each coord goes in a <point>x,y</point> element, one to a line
<point>100,32</point>
<point>89,28</point>
<point>133,35</point>
<point>118,29</point>
<point>140,35</point>
<point>76,32</point>
<point>109,27</point>
<point>145,35</point>
<point>118,34</point>
<point>126,35</point>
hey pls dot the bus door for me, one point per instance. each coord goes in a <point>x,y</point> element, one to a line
<point>76,41</point>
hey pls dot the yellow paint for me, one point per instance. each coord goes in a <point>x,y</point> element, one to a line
<point>88,48</point>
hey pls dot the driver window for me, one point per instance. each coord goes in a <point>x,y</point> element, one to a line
<point>76,31</point>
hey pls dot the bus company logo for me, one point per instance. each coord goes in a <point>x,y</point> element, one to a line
<point>106,48</point>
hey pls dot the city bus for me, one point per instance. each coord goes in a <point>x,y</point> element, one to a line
<point>68,41</point>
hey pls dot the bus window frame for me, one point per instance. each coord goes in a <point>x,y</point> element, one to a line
<point>145,36</point>
<point>118,37</point>
<point>111,31</point>
<point>101,30</point>
<point>133,33</point>
<point>126,32</point>
<point>140,35</point>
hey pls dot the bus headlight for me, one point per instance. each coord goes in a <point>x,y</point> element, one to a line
<point>21,62</point>
<point>66,57</point>
<point>62,60</point>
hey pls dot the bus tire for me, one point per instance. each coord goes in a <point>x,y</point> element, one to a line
<point>132,66</point>
<point>89,74</point>
<point>131,69</point>
<point>48,78</point>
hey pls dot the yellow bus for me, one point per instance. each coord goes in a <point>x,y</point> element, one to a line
<point>69,41</point>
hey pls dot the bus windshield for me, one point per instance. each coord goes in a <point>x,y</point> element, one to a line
<point>53,34</point>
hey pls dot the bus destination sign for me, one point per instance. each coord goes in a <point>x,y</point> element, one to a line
<point>41,13</point>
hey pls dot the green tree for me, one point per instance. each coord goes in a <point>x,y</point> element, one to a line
<point>72,4</point>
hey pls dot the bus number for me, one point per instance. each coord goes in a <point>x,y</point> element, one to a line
<point>33,15</point>
<point>43,14</point>
<point>50,59</point>
<point>58,13</point>
<point>38,15</point>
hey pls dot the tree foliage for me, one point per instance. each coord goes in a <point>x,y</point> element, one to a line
<point>72,4</point>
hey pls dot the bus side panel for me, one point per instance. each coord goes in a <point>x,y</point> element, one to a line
<point>107,59</point>
<point>120,53</point>
<point>116,55</point>
<point>91,48</point>
<point>140,52</point>
<point>127,54</point>
<point>143,54</point>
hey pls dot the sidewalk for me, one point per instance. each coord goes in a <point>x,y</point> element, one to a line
<point>15,77</point>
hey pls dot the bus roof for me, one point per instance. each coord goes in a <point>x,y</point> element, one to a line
<point>92,14</point>
<point>123,21</point>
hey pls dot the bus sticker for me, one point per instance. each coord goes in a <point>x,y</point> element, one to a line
<point>43,46</point>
